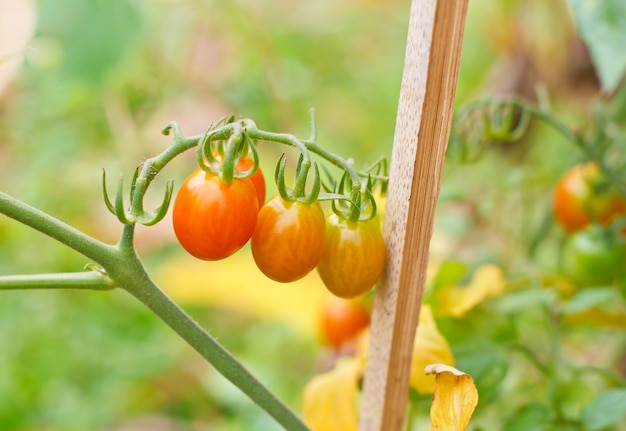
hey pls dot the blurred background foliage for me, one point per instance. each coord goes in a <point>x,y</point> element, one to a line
<point>92,88</point>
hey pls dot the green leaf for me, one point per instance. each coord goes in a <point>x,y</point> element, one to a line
<point>524,299</point>
<point>449,273</point>
<point>589,298</point>
<point>602,25</point>
<point>531,417</point>
<point>605,410</point>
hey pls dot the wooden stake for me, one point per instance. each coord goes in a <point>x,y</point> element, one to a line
<point>422,131</point>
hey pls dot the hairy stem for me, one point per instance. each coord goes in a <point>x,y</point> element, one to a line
<point>54,228</point>
<point>89,280</point>
<point>146,291</point>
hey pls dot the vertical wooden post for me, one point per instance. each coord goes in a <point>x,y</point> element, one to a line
<point>422,131</point>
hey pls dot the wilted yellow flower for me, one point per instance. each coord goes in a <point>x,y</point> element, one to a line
<point>430,347</point>
<point>330,399</point>
<point>488,281</point>
<point>454,399</point>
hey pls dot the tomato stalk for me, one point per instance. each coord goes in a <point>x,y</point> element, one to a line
<point>120,266</point>
<point>496,123</point>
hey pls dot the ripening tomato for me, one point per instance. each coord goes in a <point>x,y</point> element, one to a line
<point>288,240</point>
<point>342,320</point>
<point>213,219</point>
<point>583,195</point>
<point>354,256</point>
<point>257,178</point>
<point>594,257</point>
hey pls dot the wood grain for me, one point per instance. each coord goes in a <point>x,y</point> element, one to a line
<point>422,131</point>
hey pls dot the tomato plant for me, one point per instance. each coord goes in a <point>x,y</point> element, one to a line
<point>342,320</point>
<point>213,219</point>
<point>288,240</point>
<point>583,195</point>
<point>594,256</point>
<point>354,256</point>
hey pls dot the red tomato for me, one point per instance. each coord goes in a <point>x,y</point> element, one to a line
<point>289,238</point>
<point>213,219</point>
<point>582,195</point>
<point>342,320</point>
<point>257,178</point>
<point>354,256</point>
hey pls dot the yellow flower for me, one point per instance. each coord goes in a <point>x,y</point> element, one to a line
<point>330,399</point>
<point>430,347</point>
<point>454,399</point>
<point>487,282</point>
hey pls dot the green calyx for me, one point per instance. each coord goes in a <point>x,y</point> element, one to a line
<point>298,192</point>
<point>221,149</point>
<point>136,212</point>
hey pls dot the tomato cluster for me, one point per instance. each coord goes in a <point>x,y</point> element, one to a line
<point>588,207</point>
<point>213,219</point>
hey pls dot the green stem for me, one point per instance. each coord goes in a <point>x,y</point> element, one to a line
<point>560,127</point>
<point>124,268</point>
<point>337,161</point>
<point>146,291</point>
<point>152,166</point>
<point>89,280</point>
<point>54,228</point>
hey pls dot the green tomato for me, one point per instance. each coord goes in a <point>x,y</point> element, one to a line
<point>594,257</point>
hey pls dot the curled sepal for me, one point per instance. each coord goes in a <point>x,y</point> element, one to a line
<point>351,203</point>
<point>105,193</point>
<point>378,173</point>
<point>205,156</point>
<point>251,150</point>
<point>368,205</point>
<point>502,123</point>
<point>298,193</point>
<point>117,208</point>
<point>120,211</point>
<point>153,217</point>
<point>279,177</point>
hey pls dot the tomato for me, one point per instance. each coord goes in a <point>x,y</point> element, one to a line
<point>288,240</point>
<point>342,320</point>
<point>583,195</point>
<point>213,219</point>
<point>257,178</point>
<point>354,256</point>
<point>594,257</point>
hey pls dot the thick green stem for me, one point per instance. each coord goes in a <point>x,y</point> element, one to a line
<point>54,228</point>
<point>88,280</point>
<point>144,289</point>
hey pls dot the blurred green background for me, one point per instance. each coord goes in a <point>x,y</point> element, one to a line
<point>92,89</point>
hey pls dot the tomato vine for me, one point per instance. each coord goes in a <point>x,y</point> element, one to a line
<point>219,152</point>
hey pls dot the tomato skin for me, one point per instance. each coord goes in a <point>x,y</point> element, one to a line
<point>594,257</point>
<point>288,240</point>
<point>213,219</point>
<point>342,320</point>
<point>257,178</point>
<point>576,203</point>
<point>354,256</point>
